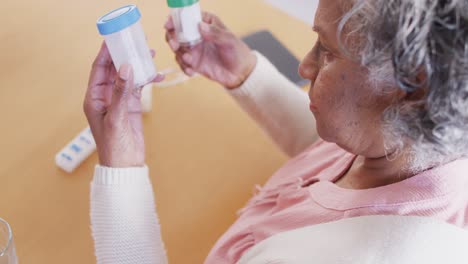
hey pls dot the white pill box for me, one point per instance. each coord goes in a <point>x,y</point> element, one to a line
<point>75,152</point>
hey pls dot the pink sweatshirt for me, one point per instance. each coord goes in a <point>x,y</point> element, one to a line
<point>303,193</point>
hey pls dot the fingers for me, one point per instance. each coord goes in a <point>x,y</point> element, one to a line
<point>170,35</point>
<point>189,71</point>
<point>103,57</point>
<point>215,33</point>
<point>212,19</point>
<point>187,59</point>
<point>169,25</point>
<point>99,91</point>
<point>172,41</point>
<point>211,28</point>
<point>102,67</point>
<point>207,17</point>
<point>186,68</point>
<point>175,47</point>
<point>159,78</point>
<point>121,94</point>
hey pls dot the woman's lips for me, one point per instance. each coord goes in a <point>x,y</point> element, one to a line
<point>312,107</point>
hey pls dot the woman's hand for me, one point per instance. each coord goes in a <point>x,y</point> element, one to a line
<point>221,57</point>
<point>113,109</point>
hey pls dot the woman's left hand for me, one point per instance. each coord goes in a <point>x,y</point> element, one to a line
<point>113,109</point>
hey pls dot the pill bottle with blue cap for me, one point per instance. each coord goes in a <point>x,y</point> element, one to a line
<point>126,42</point>
<point>186,16</point>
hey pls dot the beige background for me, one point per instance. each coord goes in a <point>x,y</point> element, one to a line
<point>205,154</point>
<point>301,9</point>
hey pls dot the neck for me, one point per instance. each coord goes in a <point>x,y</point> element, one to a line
<point>366,172</point>
<point>385,167</point>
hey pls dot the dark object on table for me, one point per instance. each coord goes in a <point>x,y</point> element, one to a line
<point>265,43</point>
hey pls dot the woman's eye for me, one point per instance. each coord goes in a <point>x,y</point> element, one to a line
<point>323,54</point>
<point>321,47</point>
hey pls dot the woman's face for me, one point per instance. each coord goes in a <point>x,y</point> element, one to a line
<point>346,108</point>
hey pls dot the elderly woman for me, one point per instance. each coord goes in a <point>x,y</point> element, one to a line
<point>389,95</point>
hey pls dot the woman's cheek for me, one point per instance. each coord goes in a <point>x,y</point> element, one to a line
<point>317,90</point>
<point>324,89</point>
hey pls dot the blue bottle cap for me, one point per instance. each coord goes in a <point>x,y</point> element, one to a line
<point>118,19</point>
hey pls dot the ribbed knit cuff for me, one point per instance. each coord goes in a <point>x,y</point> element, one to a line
<point>258,79</point>
<point>121,176</point>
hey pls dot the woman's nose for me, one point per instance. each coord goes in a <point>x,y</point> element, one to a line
<point>307,70</point>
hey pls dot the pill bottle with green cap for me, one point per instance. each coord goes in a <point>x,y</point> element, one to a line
<point>186,15</point>
<point>126,42</point>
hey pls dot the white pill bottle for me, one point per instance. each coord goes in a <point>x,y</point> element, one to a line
<point>186,15</point>
<point>126,42</point>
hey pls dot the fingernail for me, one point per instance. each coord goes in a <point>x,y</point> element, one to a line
<point>173,44</point>
<point>204,27</point>
<point>189,72</point>
<point>187,58</point>
<point>159,77</point>
<point>124,72</point>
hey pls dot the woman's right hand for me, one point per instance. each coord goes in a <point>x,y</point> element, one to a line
<point>221,56</point>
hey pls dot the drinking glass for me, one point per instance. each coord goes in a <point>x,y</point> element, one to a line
<point>7,247</point>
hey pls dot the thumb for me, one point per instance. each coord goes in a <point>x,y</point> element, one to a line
<point>214,33</point>
<point>121,93</point>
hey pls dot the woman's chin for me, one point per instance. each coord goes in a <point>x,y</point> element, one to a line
<point>324,133</point>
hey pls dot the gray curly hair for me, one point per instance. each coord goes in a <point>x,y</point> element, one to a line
<point>416,45</point>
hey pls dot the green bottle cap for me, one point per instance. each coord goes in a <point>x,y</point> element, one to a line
<point>180,3</point>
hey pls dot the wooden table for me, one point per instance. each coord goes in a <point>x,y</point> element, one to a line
<point>205,154</point>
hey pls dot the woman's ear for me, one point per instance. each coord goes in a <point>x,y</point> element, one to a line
<point>417,95</point>
<point>421,92</point>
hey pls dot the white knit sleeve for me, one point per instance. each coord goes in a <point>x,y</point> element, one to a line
<point>124,222</point>
<point>278,106</point>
